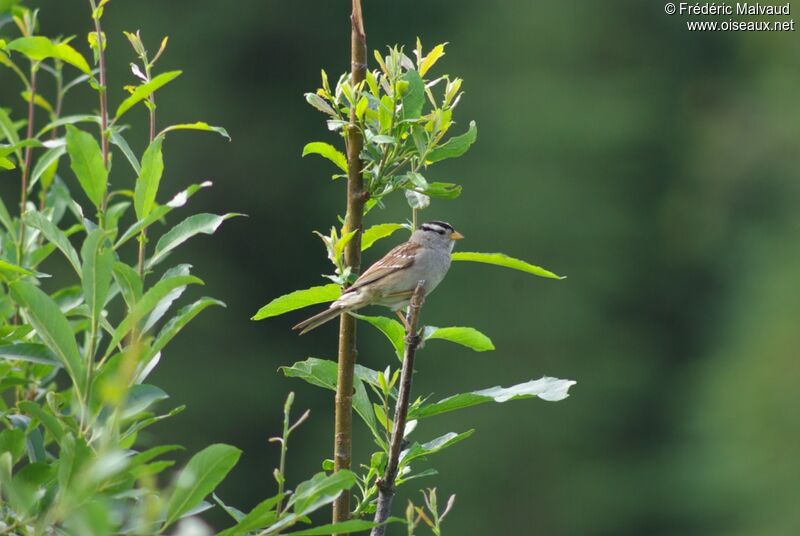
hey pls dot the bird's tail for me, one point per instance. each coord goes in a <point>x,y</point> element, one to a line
<point>317,320</point>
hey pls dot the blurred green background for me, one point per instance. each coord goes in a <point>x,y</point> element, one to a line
<point>656,168</point>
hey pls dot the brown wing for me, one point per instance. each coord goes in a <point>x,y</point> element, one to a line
<point>399,258</point>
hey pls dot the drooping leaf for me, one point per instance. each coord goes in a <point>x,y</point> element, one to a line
<point>198,479</point>
<point>8,268</point>
<point>86,161</point>
<point>45,163</point>
<point>376,232</point>
<point>199,125</point>
<point>546,388</point>
<point>39,48</point>
<point>52,328</point>
<point>166,302</point>
<point>343,527</point>
<point>144,196</point>
<point>97,271</point>
<point>443,190</point>
<point>326,150</point>
<point>455,146</point>
<point>469,337</point>
<point>129,283</point>
<point>43,415</point>
<point>299,299</point>
<point>191,226</point>
<point>141,397</point>
<point>145,90</point>
<point>117,139</point>
<point>54,235</point>
<point>501,259</point>
<point>177,323</point>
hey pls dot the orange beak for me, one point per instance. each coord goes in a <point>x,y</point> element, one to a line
<point>456,236</point>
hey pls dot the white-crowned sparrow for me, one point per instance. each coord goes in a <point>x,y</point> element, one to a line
<point>392,280</point>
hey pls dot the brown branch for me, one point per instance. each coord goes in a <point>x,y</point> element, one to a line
<point>386,485</point>
<point>356,198</point>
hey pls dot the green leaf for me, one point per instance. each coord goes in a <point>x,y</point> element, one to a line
<point>431,447</point>
<point>86,161</point>
<point>299,299</point>
<point>39,48</point>
<point>199,125</point>
<point>429,60</point>
<point>320,485</point>
<point>129,283</point>
<point>43,415</point>
<point>455,146</point>
<point>150,299</point>
<point>66,53</point>
<point>30,352</point>
<point>159,212</point>
<point>198,479</point>
<point>501,259</point>
<point>546,388</point>
<point>376,232</point>
<point>326,150</point>
<point>13,440</point>
<point>52,328</point>
<point>144,196</point>
<point>443,190</point>
<point>45,162</point>
<point>343,527</point>
<point>55,236</point>
<point>117,139</point>
<point>393,330</point>
<point>6,164</point>
<point>469,337</point>
<point>191,226</point>
<point>179,321</point>
<point>145,90</point>
<point>414,97</point>
<point>98,265</point>
<point>11,268</point>
<point>68,120</point>
<point>141,397</point>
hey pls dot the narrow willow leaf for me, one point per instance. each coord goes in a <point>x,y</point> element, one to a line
<point>52,328</point>
<point>432,57</point>
<point>546,388</point>
<point>501,259</point>
<point>469,337</point>
<point>393,330</point>
<point>30,352</point>
<point>376,232</point>
<point>443,190</point>
<point>144,196</point>
<point>299,299</point>
<point>179,321</point>
<point>343,527</point>
<point>326,150</point>
<point>455,146</point>
<point>417,450</point>
<point>191,226</point>
<point>144,91</point>
<point>86,162</point>
<point>320,485</point>
<point>166,302</point>
<point>7,164</point>
<point>54,235</point>
<point>45,163</point>
<point>129,283</point>
<point>38,100</point>
<point>198,479</point>
<point>68,120</point>
<point>11,268</point>
<point>199,125</point>
<point>159,212</point>
<point>43,415</point>
<point>150,299</point>
<point>141,397</point>
<point>66,53</point>
<point>97,271</point>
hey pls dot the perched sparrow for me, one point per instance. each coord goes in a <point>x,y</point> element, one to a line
<point>392,280</point>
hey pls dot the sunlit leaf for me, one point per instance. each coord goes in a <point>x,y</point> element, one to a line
<point>299,299</point>
<point>145,90</point>
<point>431,58</point>
<point>326,150</point>
<point>469,337</point>
<point>546,388</point>
<point>376,232</point>
<point>199,125</point>
<point>343,527</point>
<point>393,330</point>
<point>501,259</point>
<point>455,146</point>
<point>414,97</point>
<point>417,450</point>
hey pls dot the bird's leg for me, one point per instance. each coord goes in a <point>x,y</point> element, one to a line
<point>402,318</point>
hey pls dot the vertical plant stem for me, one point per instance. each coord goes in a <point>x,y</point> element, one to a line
<point>356,198</point>
<point>103,91</point>
<point>386,487</point>
<point>26,167</point>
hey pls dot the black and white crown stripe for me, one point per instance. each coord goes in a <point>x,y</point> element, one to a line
<point>437,227</point>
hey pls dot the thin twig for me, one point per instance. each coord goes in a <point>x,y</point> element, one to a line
<point>356,199</point>
<point>26,167</point>
<point>386,485</point>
